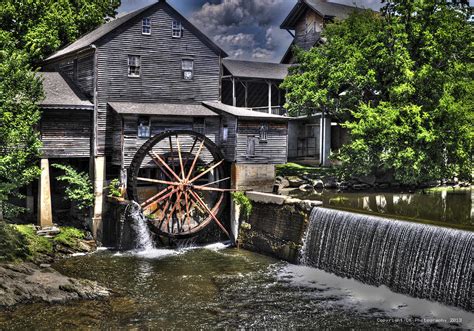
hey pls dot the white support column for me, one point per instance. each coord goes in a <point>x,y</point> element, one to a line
<point>234,95</point>
<point>99,179</point>
<point>45,213</point>
<point>269,97</point>
<point>246,93</point>
<point>324,140</point>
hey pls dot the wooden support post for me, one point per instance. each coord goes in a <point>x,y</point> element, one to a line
<point>30,200</point>
<point>234,95</point>
<point>99,178</point>
<point>246,94</point>
<point>45,213</point>
<point>269,97</point>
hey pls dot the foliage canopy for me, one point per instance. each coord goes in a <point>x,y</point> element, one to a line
<point>402,83</point>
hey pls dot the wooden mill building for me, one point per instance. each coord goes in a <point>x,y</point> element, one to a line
<point>144,73</point>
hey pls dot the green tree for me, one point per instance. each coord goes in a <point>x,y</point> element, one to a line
<point>20,91</point>
<point>79,186</point>
<point>403,83</point>
<point>43,26</point>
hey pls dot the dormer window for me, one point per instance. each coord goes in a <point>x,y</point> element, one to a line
<point>177,29</point>
<point>134,66</point>
<point>187,67</point>
<point>146,26</point>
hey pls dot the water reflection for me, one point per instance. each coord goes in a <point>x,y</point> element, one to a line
<point>451,207</point>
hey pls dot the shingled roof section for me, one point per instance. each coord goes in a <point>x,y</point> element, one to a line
<point>257,70</point>
<point>88,39</point>
<point>168,109</point>
<point>61,93</point>
<point>241,112</point>
<point>321,7</point>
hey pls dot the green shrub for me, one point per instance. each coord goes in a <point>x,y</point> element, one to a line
<point>114,188</point>
<point>13,245</point>
<point>243,201</point>
<point>79,189</point>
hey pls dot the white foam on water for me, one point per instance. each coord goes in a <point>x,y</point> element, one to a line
<point>155,253</point>
<point>356,295</point>
<point>218,246</point>
<point>78,254</point>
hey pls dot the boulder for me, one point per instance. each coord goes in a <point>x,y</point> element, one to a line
<point>295,181</point>
<point>305,188</point>
<point>369,180</point>
<point>361,186</point>
<point>318,184</point>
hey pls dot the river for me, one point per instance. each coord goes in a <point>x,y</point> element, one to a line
<point>220,287</point>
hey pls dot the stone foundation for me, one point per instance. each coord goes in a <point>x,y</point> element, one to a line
<point>277,225</point>
<point>259,177</point>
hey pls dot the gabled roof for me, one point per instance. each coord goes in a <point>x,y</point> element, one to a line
<point>90,38</point>
<point>61,93</point>
<point>241,112</point>
<point>164,109</point>
<point>257,70</point>
<point>321,7</point>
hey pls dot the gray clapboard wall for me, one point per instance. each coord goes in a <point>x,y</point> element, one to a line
<point>272,151</point>
<point>66,133</point>
<point>161,76</point>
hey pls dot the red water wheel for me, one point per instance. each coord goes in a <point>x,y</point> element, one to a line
<point>178,178</point>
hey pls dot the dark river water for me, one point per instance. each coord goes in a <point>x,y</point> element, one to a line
<point>218,287</point>
<point>446,207</point>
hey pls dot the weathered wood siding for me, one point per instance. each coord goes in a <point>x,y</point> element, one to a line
<point>79,69</point>
<point>131,142</point>
<point>66,133</point>
<point>228,146</point>
<point>160,79</point>
<point>273,151</point>
<point>308,30</point>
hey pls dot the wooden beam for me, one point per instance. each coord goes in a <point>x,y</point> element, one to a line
<point>234,96</point>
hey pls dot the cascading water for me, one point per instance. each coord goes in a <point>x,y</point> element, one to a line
<point>420,260</point>
<point>142,236</point>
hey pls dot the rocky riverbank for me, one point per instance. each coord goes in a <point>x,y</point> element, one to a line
<point>29,283</point>
<point>25,273</point>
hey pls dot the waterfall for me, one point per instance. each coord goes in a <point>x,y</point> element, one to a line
<point>420,260</point>
<point>141,233</point>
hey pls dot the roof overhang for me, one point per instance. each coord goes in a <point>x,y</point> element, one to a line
<point>65,107</point>
<point>242,113</point>
<point>161,109</point>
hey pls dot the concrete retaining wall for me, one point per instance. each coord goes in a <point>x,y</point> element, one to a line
<point>277,225</point>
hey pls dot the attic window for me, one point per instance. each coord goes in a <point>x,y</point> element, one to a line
<point>144,127</point>
<point>146,26</point>
<point>177,29</point>
<point>134,66</point>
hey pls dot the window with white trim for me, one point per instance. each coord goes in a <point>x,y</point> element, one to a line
<point>134,63</point>
<point>176,29</point>
<point>187,68</point>
<point>146,26</point>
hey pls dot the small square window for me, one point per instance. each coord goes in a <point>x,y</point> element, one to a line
<point>146,26</point>
<point>134,63</point>
<point>144,127</point>
<point>177,29</point>
<point>187,67</point>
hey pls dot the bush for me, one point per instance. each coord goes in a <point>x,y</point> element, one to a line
<point>69,236</point>
<point>36,245</point>
<point>114,188</point>
<point>79,189</point>
<point>13,245</point>
<point>241,200</point>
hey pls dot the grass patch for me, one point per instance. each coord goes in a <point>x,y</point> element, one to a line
<point>295,169</point>
<point>69,236</point>
<point>448,188</point>
<point>36,244</point>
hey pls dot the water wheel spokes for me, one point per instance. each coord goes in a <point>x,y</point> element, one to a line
<point>178,179</point>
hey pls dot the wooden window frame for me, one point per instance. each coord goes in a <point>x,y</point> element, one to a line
<point>130,66</point>
<point>177,27</point>
<point>263,133</point>
<point>139,120</point>
<point>183,69</point>
<point>146,26</point>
